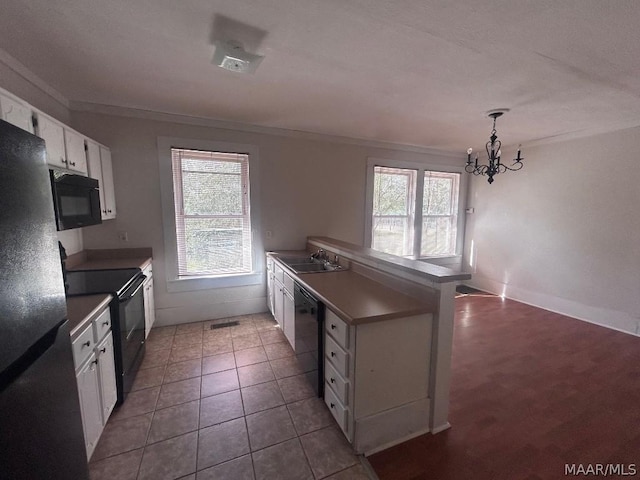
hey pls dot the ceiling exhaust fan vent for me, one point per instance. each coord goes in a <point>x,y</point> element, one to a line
<point>231,56</point>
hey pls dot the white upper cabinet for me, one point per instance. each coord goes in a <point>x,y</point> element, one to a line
<point>52,132</point>
<point>107,177</point>
<point>76,154</point>
<point>95,171</point>
<point>16,112</point>
<point>100,168</point>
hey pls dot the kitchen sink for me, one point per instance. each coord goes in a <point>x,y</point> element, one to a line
<point>308,265</point>
<point>298,260</point>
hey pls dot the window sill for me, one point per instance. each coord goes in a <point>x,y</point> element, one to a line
<point>188,284</point>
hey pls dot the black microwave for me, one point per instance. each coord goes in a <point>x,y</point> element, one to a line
<point>76,200</point>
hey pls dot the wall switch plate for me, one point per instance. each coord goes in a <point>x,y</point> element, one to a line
<point>470,210</point>
<point>268,234</point>
<point>123,236</point>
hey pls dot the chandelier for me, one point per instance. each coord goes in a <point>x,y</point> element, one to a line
<point>493,152</point>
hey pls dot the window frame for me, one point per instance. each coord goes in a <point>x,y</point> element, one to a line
<point>175,283</point>
<point>421,168</point>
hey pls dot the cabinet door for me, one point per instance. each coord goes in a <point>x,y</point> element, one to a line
<point>16,113</point>
<point>52,133</point>
<point>270,292</point>
<point>94,167</point>
<point>89,392</point>
<point>278,302</point>
<point>109,190</point>
<point>149,306</point>
<point>76,154</point>
<point>289,311</point>
<point>107,377</point>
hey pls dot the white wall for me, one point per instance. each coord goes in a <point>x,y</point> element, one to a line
<point>307,187</point>
<point>25,85</point>
<point>564,232</point>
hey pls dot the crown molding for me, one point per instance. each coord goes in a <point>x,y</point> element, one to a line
<point>129,112</point>
<point>32,78</point>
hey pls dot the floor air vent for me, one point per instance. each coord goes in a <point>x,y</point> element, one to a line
<point>215,326</point>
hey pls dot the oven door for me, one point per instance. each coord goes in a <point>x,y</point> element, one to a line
<point>131,334</point>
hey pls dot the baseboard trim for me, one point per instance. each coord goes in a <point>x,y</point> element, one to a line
<point>616,320</point>
<point>440,428</point>
<point>199,313</point>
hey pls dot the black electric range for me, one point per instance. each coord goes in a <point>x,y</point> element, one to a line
<point>127,316</point>
<point>90,282</point>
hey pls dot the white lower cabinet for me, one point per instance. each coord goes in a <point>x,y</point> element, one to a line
<point>366,368</point>
<point>96,376</point>
<point>278,303</point>
<point>107,376</point>
<point>280,299</point>
<point>90,406</point>
<point>288,313</point>
<point>149,302</point>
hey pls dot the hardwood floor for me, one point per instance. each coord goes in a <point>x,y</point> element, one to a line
<point>531,391</point>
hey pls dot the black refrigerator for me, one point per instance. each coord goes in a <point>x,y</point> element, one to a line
<point>41,432</point>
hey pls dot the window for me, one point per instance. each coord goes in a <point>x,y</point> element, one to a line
<point>414,210</point>
<point>211,214</point>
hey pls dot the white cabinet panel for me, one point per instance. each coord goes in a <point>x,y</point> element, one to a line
<point>108,187</point>
<point>15,112</point>
<point>149,302</point>
<point>288,313</point>
<point>89,392</point>
<point>52,133</point>
<point>107,377</point>
<point>76,154</point>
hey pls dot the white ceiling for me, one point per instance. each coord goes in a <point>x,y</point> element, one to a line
<point>417,72</point>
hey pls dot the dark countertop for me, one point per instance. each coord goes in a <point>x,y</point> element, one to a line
<point>83,309</point>
<point>109,259</point>
<point>356,298</point>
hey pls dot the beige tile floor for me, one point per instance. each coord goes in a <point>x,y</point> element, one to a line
<point>225,403</point>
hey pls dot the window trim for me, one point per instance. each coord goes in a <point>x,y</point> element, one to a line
<point>174,282</point>
<point>421,167</point>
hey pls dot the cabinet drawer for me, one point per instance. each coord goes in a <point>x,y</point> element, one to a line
<point>288,283</point>
<point>337,328</point>
<point>338,384</point>
<point>339,412</point>
<point>83,346</point>
<point>102,325</point>
<point>278,273</point>
<point>337,356</point>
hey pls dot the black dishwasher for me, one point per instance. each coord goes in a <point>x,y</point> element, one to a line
<point>309,334</point>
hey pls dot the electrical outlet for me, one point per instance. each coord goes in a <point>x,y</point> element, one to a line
<point>123,236</point>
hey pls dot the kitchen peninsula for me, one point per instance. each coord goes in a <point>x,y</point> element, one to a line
<point>387,340</point>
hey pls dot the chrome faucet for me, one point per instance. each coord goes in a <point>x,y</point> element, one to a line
<point>319,255</point>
